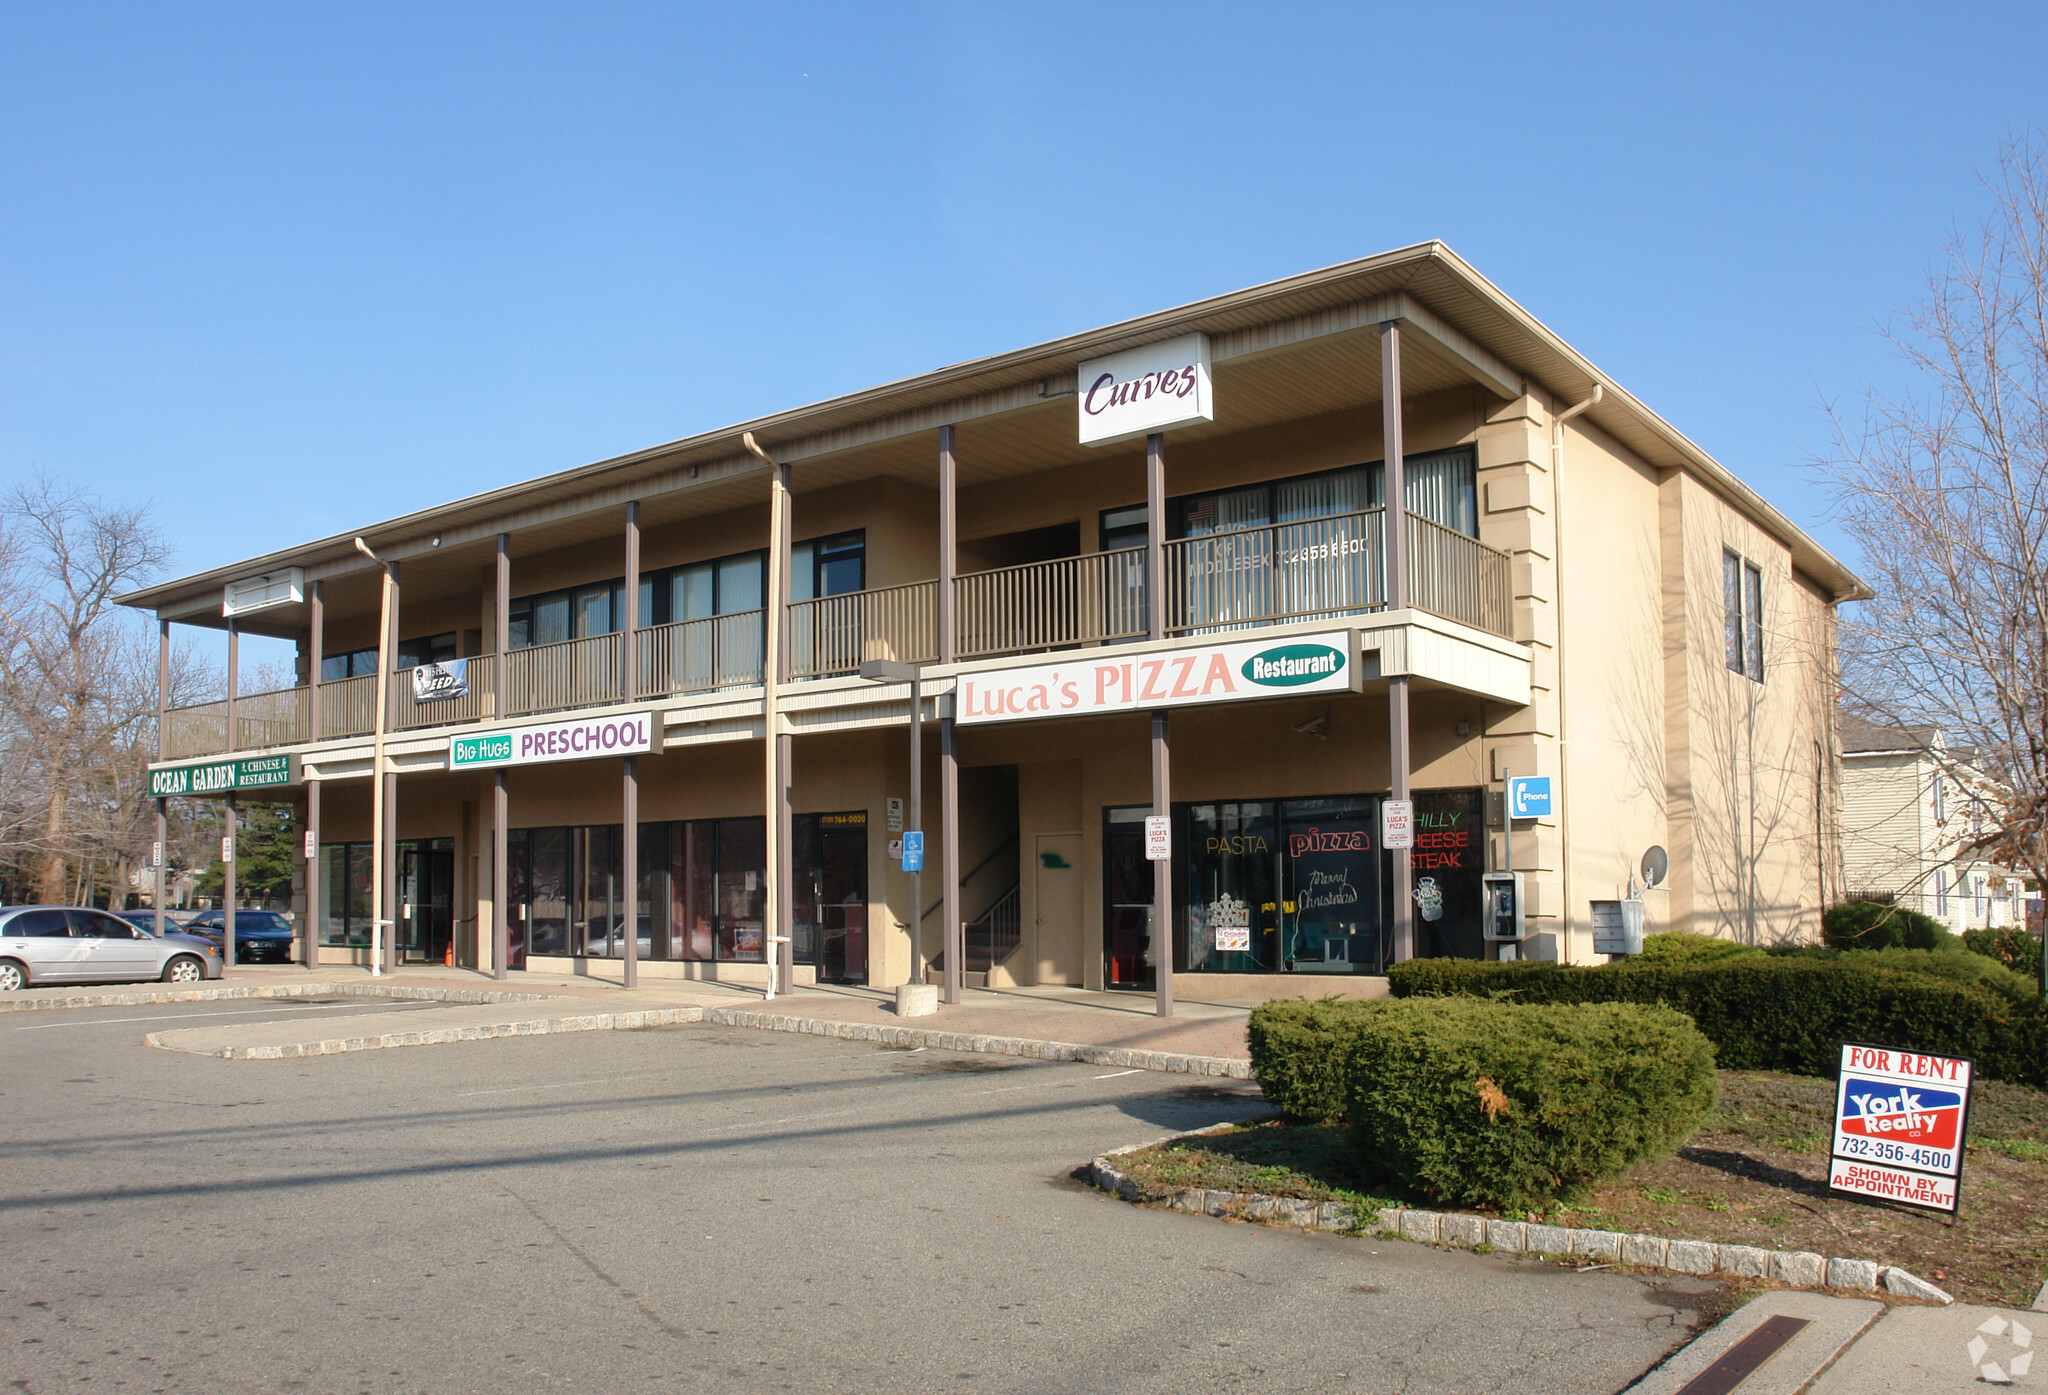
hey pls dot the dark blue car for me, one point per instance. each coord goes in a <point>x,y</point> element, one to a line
<point>260,936</point>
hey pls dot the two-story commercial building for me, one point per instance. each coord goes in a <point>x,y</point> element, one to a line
<point>1162,567</point>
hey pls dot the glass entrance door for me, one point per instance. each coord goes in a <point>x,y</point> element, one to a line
<point>1127,938</point>
<point>426,900</point>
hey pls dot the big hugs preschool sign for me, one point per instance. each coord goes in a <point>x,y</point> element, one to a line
<point>1900,1118</point>
<point>1176,678</point>
<point>1155,388</point>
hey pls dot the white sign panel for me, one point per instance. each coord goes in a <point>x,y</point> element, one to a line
<point>1397,823</point>
<point>1140,391</point>
<point>1158,838</point>
<point>227,847</point>
<point>1900,1115</point>
<point>312,845</point>
<point>627,734</point>
<point>1175,678</point>
<point>895,814</point>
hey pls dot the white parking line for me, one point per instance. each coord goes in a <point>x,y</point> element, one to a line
<point>1135,1070</point>
<point>554,1085</point>
<point>184,1016</point>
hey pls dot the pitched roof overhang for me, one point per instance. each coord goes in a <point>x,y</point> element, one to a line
<point>1464,329</point>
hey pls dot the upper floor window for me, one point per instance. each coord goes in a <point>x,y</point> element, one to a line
<point>1742,627</point>
<point>1441,486</point>
<point>357,663</point>
<point>831,566</point>
<point>1940,792</point>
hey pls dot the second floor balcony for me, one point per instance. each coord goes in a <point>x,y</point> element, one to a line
<point>1321,569</point>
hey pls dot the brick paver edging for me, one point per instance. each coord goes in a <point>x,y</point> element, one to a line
<point>1794,1268</point>
<point>998,1046</point>
<point>134,997</point>
<point>437,1036</point>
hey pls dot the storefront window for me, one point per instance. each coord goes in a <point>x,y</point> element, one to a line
<point>1293,886</point>
<point>345,899</point>
<point>741,894</point>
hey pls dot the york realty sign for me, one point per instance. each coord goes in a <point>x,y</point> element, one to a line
<point>1900,1120</point>
<point>1210,673</point>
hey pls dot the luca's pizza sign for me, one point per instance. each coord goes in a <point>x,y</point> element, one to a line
<point>1900,1121</point>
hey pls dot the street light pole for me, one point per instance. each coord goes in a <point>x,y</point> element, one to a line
<point>379,917</point>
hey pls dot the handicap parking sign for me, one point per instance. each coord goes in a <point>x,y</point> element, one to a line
<point>913,850</point>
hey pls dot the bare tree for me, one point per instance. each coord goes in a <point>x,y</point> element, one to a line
<point>78,706</point>
<point>1945,490</point>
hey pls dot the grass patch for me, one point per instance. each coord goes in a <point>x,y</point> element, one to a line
<point>1755,1173</point>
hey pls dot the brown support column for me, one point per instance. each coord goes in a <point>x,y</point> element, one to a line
<point>1162,871</point>
<point>629,792</point>
<point>228,849</point>
<point>163,697</point>
<point>949,543</point>
<point>1395,515</point>
<point>315,905</point>
<point>1155,535</point>
<point>501,882</point>
<point>316,645</point>
<point>949,811</point>
<point>227,938</point>
<point>949,853</point>
<point>390,779</point>
<point>783,757</point>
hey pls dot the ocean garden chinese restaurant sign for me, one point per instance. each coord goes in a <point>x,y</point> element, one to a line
<point>1176,678</point>
<point>225,776</point>
<point>628,734</point>
<point>1900,1119</point>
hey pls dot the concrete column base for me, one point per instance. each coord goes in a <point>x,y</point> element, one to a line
<point>917,999</point>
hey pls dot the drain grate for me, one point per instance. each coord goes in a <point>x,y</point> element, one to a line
<point>1740,1361</point>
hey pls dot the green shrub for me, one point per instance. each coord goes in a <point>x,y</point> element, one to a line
<point>1684,947</point>
<point>1787,1012</point>
<point>1957,965</point>
<point>1869,925</point>
<point>2016,949</point>
<point>1298,1053</point>
<point>1485,1103</point>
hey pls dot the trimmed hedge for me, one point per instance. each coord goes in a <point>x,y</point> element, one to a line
<point>1483,1103</point>
<point>1873,925</point>
<point>1298,1055</point>
<point>1682,946</point>
<point>2017,949</point>
<point>1777,1011</point>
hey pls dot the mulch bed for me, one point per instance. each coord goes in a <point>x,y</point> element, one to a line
<point>1754,1174</point>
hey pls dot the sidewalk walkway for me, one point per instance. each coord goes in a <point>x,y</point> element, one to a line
<point>1204,1038</point>
<point>1802,1343</point>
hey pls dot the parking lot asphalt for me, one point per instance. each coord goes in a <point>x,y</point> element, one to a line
<point>699,1207</point>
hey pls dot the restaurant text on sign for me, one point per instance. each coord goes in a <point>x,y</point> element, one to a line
<point>1176,678</point>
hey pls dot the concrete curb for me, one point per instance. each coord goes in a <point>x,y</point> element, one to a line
<point>136,997</point>
<point>1793,1268</point>
<point>437,1036</point>
<point>1224,1066</point>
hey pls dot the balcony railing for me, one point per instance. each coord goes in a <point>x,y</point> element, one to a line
<point>408,713</point>
<point>1095,598</point>
<point>834,634</point>
<point>702,656</point>
<point>1325,568</point>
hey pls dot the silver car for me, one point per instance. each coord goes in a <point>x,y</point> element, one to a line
<point>70,944</point>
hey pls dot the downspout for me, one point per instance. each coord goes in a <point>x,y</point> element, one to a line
<point>1564,765</point>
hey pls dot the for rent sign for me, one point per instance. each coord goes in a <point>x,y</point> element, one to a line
<point>626,734</point>
<point>1176,678</point>
<point>1900,1119</point>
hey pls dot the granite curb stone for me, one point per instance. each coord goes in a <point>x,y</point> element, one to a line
<point>1125,1057</point>
<point>140,997</point>
<point>1798,1268</point>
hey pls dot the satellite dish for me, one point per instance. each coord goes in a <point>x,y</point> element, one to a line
<point>1656,864</point>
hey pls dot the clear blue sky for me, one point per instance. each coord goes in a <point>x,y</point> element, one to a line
<point>289,269</point>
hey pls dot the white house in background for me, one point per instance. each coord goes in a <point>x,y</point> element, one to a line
<point>1911,806</point>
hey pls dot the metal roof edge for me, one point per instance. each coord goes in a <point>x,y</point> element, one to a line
<point>1808,555</point>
